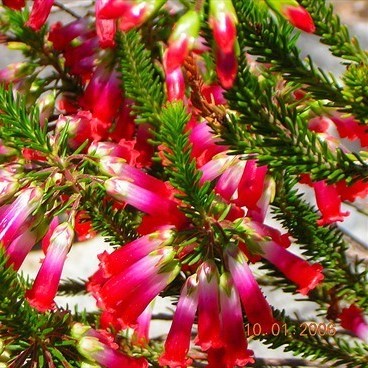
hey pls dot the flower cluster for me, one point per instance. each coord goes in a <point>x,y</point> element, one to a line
<point>196,236</point>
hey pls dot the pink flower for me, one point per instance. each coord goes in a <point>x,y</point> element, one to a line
<point>209,334</point>
<point>61,36</point>
<point>129,311</point>
<point>39,13</point>
<point>175,85</point>
<point>223,20</point>
<point>232,326</point>
<point>178,340</point>
<point>16,217</point>
<point>124,149</point>
<point>256,307</point>
<point>181,40</point>
<point>251,185</point>
<point>352,319</point>
<point>41,295</point>
<point>127,294</point>
<point>204,144</point>
<point>299,18</point>
<point>226,68</point>
<point>141,330</point>
<point>138,13</point>
<point>103,96</point>
<point>350,192</point>
<point>350,128</point>
<point>307,276</point>
<point>143,199</point>
<point>130,253</point>
<point>23,244</point>
<point>15,72</point>
<point>112,9</point>
<point>328,202</point>
<point>98,352</point>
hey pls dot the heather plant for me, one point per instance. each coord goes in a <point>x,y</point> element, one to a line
<point>187,134</point>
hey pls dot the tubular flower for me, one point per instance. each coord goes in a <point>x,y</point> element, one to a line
<point>16,217</point>
<point>232,326</point>
<point>23,244</point>
<point>96,351</point>
<point>353,320</point>
<point>175,85</point>
<point>256,307</point>
<point>305,275</point>
<point>128,293</point>
<point>103,96</point>
<point>124,257</point>
<point>223,20</point>
<point>61,36</point>
<point>139,197</point>
<point>178,340</point>
<point>115,166</point>
<point>105,28</point>
<point>328,202</point>
<point>209,334</point>
<point>204,144</point>
<point>294,13</point>
<point>164,210</point>
<point>41,295</point>
<point>39,13</point>
<point>138,13</point>
<point>182,40</point>
<point>226,68</point>
<point>112,9</point>
<point>251,185</point>
<point>141,330</point>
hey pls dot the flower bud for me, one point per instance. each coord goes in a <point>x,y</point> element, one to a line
<point>294,13</point>
<point>182,40</point>
<point>223,20</point>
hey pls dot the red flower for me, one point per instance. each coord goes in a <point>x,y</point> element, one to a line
<point>41,295</point>
<point>256,307</point>
<point>223,20</point>
<point>307,276</point>
<point>226,68</point>
<point>353,320</point>
<point>39,13</point>
<point>17,217</point>
<point>209,334</point>
<point>15,4</point>
<point>178,340</point>
<point>232,326</point>
<point>328,202</point>
<point>299,18</point>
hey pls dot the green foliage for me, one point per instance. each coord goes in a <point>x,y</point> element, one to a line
<point>322,244</point>
<point>329,348</point>
<point>20,125</point>
<point>115,225</point>
<point>274,42</point>
<point>333,33</point>
<point>140,79</point>
<point>277,132</point>
<point>182,168</point>
<point>39,337</point>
